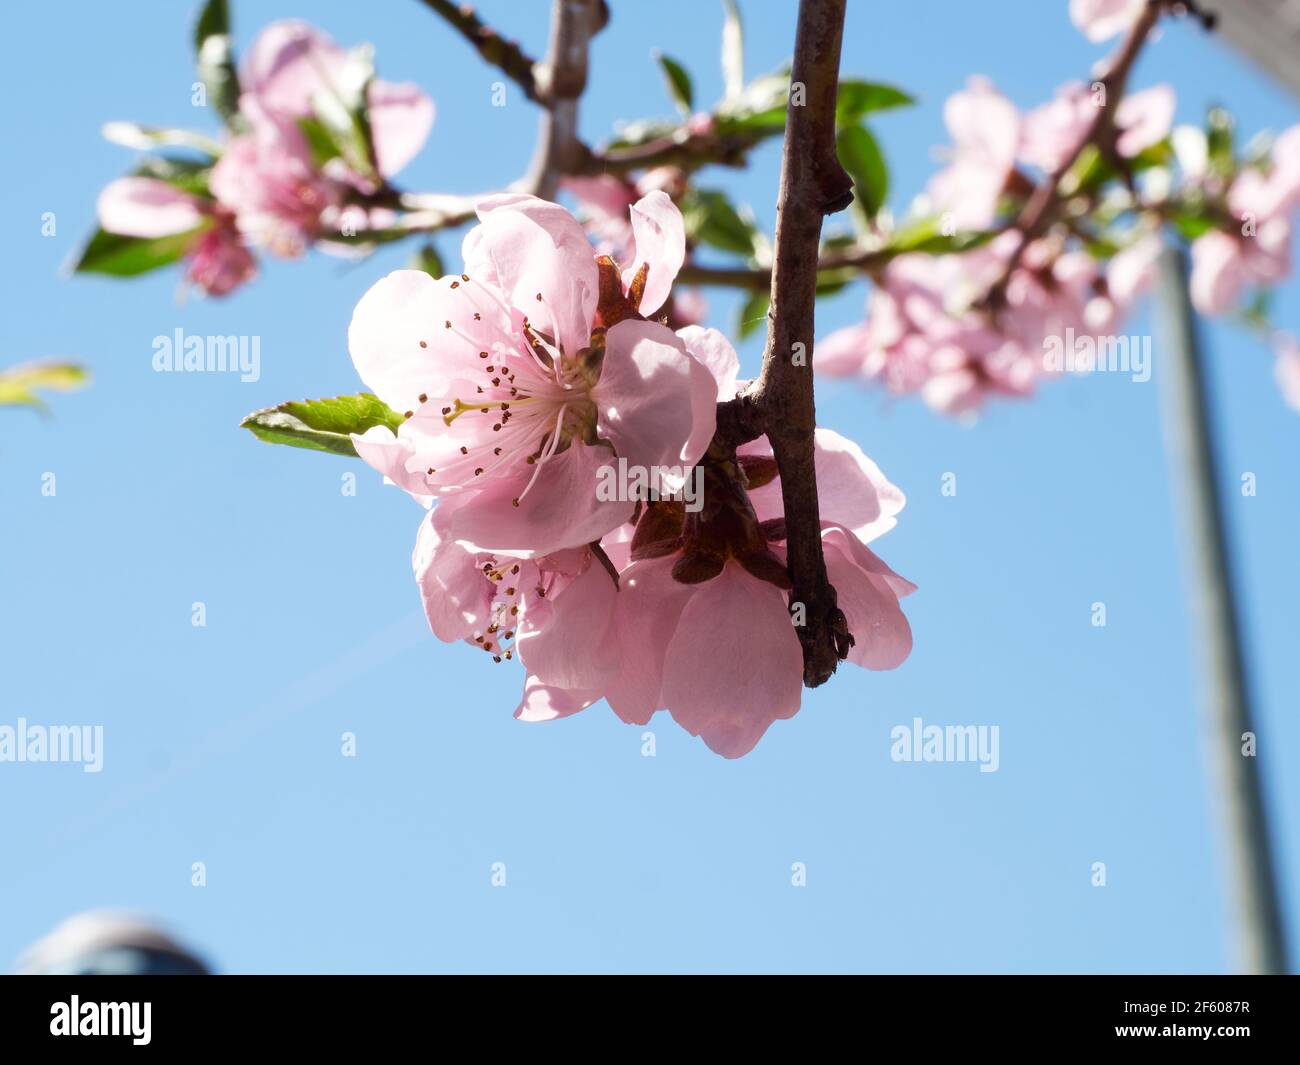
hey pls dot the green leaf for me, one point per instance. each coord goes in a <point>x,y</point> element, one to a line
<point>343,113</point>
<point>1219,136</point>
<point>188,175</point>
<point>926,235</point>
<point>213,21</point>
<point>861,156</point>
<point>710,218</point>
<point>321,424</point>
<point>120,256</point>
<point>150,138</point>
<point>753,313</point>
<point>678,82</point>
<point>733,50</point>
<point>320,141</point>
<point>857,98</point>
<point>18,384</point>
<point>428,260</point>
<point>216,60</point>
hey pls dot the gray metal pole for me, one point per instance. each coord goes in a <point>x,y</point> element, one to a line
<point>1235,777</point>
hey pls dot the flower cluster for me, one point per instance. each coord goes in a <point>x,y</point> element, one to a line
<point>962,325</point>
<point>283,180</point>
<point>541,372</point>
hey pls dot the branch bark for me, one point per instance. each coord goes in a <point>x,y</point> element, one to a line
<point>780,403</point>
<point>560,81</point>
<point>504,54</point>
<point>1039,210</point>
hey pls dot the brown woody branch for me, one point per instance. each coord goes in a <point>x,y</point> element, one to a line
<point>504,54</point>
<point>780,403</point>
<point>561,79</point>
<point>1040,209</point>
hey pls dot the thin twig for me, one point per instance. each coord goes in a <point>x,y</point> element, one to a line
<point>561,79</point>
<point>780,403</point>
<point>504,54</point>
<point>1040,209</point>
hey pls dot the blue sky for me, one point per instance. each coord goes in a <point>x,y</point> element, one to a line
<point>222,743</point>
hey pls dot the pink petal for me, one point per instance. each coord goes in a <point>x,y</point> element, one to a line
<point>456,595</point>
<point>660,243</point>
<point>401,116</point>
<point>148,208</point>
<point>851,489</point>
<point>843,353</point>
<point>734,664</point>
<point>570,643</point>
<point>390,454</point>
<point>289,62</point>
<point>867,591</point>
<point>648,607</point>
<point>1146,118</point>
<point>408,307</point>
<point>542,702</point>
<point>712,349</point>
<point>1102,19</point>
<point>1218,272</point>
<point>527,248</point>
<point>559,511</point>
<point>655,404</point>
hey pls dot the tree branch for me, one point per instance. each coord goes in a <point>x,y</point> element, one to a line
<point>561,79</point>
<point>780,403</point>
<point>504,54</point>
<point>1040,209</point>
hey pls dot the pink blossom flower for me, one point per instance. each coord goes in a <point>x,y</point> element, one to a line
<point>1223,264</point>
<point>1143,119</point>
<point>929,332</point>
<point>555,612</point>
<point>267,178</point>
<point>291,63</point>
<point>985,129</point>
<point>1102,19</point>
<point>512,396</point>
<point>218,261</point>
<point>637,224</point>
<point>1051,133</point>
<point>720,654</point>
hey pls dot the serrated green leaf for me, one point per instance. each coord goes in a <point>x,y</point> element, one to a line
<point>753,313</point>
<point>860,155</point>
<point>120,256</point>
<point>733,50</point>
<point>678,82</point>
<point>322,424</point>
<point>857,98</point>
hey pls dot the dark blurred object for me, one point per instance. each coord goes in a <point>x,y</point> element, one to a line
<point>1268,31</point>
<point>106,943</point>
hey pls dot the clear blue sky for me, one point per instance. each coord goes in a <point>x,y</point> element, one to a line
<point>222,744</point>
